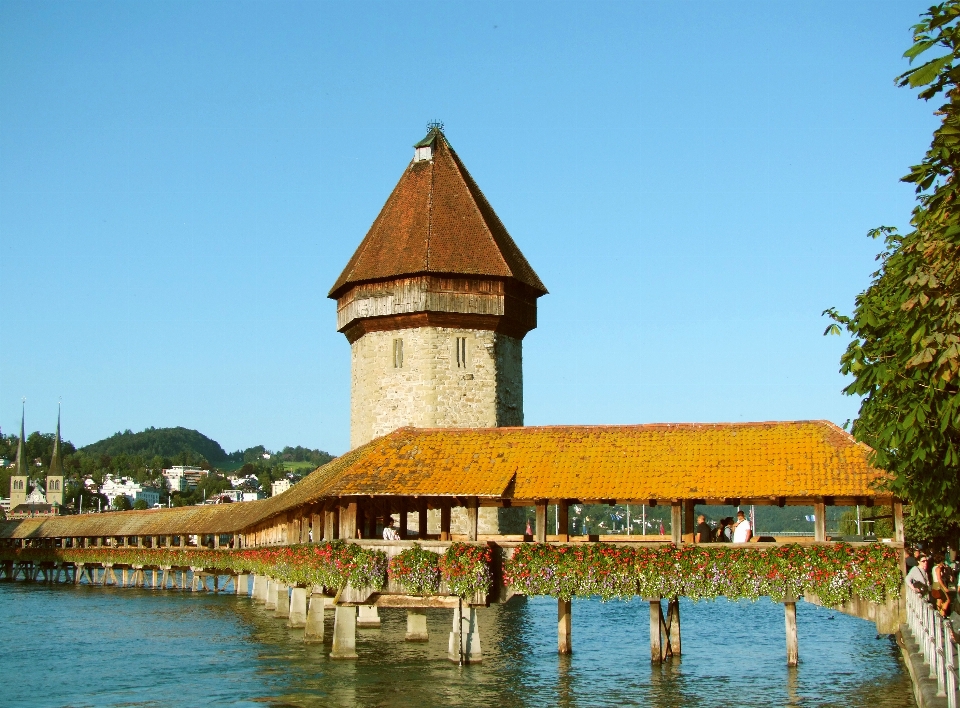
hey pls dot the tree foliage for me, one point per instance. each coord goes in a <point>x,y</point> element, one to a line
<point>905,353</point>
<point>163,442</point>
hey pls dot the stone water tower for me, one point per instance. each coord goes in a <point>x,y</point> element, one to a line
<point>435,303</point>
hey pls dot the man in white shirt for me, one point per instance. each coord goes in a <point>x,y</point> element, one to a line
<point>390,533</point>
<point>742,532</point>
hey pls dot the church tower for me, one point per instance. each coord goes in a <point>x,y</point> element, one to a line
<point>435,303</point>
<point>18,481</point>
<point>55,473</point>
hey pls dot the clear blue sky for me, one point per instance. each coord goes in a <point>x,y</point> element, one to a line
<point>181,183</point>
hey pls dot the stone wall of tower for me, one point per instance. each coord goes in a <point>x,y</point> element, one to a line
<point>434,385</point>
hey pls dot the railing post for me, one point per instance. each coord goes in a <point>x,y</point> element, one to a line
<point>950,665</point>
<point>939,651</point>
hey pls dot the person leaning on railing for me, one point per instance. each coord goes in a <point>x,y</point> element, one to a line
<point>943,587</point>
<point>919,576</point>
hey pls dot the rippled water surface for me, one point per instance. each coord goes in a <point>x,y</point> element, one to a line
<point>66,646</point>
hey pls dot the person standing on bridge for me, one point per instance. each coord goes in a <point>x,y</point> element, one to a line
<point>390,533</point>
<point>704,533</point>
<point>742,532</point>
<point>919,576</point>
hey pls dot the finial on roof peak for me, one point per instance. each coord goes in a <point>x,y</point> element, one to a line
<point>424,149</point>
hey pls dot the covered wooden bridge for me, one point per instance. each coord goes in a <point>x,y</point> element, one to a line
<point>438,482</point>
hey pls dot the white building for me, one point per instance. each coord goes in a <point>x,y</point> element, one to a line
<point>252,496</point>
<point>279,487</point>
<point>113,488</point>
<point>183,478</point>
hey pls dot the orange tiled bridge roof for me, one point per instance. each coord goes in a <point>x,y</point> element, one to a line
<point>780,462</point>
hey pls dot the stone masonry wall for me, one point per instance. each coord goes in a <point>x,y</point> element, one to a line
<point>430,389</point>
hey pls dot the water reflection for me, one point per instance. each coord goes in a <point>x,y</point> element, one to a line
<point>137,647</point>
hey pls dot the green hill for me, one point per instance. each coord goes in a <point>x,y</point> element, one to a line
<point>165,442</point>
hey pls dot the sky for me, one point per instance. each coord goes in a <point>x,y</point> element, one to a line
<point>182,182</point>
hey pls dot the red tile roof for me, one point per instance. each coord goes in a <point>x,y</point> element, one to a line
<point>437,221</point>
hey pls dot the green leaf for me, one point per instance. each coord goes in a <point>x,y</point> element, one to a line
<point>918,49</point>
<point>928,72</point>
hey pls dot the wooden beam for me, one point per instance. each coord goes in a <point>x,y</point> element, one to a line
<point>819,522</point>
<point>898,535</point>
<point>472,513</point>
<point>688,521</point>
<point>422,518</point>
<point>676,522</point>
<point>445,521</point>
<point>540,533</point>
<point>403,518</point>
<point>563,519</point>
<point>348,519</point>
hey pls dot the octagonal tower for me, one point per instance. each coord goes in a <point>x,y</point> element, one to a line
<point>435,303</point>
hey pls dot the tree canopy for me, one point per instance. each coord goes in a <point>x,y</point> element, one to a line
<point>163,442</point>
<point>905,350</point>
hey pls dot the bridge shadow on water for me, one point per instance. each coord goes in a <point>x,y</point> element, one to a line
<point>106,646</point>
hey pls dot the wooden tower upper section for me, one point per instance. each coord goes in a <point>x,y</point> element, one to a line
<point>437,255</point>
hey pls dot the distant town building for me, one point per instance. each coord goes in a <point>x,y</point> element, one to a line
<point>183,478</point>
<point>252,496</point>
<point>279,487</point>
<point>113,488</point>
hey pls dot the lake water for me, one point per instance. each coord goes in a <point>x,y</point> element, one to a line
<point>86,646</point>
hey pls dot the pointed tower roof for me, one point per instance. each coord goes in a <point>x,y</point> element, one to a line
<point>56,460</point>
<point>22,464</point>
<point>437,221</point>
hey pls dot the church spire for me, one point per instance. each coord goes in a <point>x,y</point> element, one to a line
<point>22,464</point>
<point>56,461</point>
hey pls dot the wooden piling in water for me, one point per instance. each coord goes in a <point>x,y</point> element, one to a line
<point>564,627</point>
<point>790,620</point>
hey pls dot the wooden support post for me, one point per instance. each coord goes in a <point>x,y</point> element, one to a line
<point>371,523</point>
<point>361,520</point>
<point>898,536</point>
<point>444,524</point>
<point>403,518</point>
<point>790,620</point>
<point>348,520</point>
<point>564,627</point>
<point>216,540</point>
<point>673,624</point>
<point>316,527</point>
<point>422,518</point>
<point>472,514</point>
<point>819,521</point>
<point>540,533</point>
<point>676,522</point>
<point>563,519</point>
<point>689,526</point>
<point>656,623</point>
<point>329,525</point>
